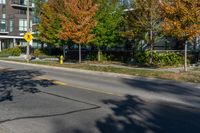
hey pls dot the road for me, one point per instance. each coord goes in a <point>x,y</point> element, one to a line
<point>48,100</point>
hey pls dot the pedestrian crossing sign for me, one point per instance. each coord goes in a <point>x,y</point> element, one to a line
<point>28,37</point>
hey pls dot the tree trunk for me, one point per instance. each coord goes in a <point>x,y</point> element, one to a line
<point>64,51</point>
<point>79,53</point>
<point>151,38</point>
<point>99,54</point>
<point>185,58</point>
<point>151,47</point>
<point>151,54</point>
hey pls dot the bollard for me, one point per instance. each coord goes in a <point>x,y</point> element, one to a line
<point>61,59</point>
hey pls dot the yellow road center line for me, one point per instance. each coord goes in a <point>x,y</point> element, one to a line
<point>44,77</point>
<point>94,90</point>
<point>59,83</point>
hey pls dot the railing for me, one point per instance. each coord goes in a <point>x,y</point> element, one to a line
<point>22,3</point>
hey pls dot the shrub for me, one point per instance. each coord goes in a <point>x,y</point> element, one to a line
<point>37,53</point>
<point>105,57</point>
<point>160,58</point>
<point>15,51</point>
<point>142,57</point>
<point>92,56</point>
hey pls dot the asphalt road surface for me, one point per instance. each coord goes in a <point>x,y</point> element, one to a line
<point>46,100</point>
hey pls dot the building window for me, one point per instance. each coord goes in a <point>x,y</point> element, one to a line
<point>2,25</point>
<point>23,2</point>
<point>3,15</point>
<point>11,25</point>
<point>22,24</point>
<point>35,20</point>
<point>22,12</point>
<point>2,1</point>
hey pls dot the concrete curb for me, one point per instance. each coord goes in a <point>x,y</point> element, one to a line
<point>73,69</point>
<point>108,74</point>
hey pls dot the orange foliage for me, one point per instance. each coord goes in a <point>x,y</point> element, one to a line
<point>78,20</point>
<point>182,19</point>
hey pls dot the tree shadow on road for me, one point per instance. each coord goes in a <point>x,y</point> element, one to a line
<point>20,80</point>
<point>133,115</point>
<point>162,86</point>
<point>60,126</point>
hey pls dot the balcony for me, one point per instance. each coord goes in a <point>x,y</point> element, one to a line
<point>22,4</point>
<point>3,31</point>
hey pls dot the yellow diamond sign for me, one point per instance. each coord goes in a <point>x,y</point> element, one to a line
<point>28,37</point>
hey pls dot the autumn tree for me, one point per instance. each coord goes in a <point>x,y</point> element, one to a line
<point>78,21</point>
<point>110,20</point>
<point>181,20</point>
<point>50,22</point>
<point>144,17</point>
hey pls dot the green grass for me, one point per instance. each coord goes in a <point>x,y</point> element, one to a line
<point>191,76</point>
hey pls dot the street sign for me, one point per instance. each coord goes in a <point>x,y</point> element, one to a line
<point>28,37</point>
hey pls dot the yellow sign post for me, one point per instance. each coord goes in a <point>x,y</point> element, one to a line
<point>28,37</point>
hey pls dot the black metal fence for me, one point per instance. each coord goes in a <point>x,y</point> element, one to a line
<point>109,55</point>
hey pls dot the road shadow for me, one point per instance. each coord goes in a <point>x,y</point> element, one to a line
<point>133,115</point>
<point>20,80</point>
<point>159,86</point>
<point>60,126</point>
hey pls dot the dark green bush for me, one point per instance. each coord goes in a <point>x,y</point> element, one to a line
<point>92,56</point>
<point>105,57</point>
<point>160,58</point>
<point>15,51</point>
<point>142,57</point>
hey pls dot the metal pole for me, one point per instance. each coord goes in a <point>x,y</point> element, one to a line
<point>185,64</point>
<point>79,53</point>
<point>0,45</point>
<point>28,30</point>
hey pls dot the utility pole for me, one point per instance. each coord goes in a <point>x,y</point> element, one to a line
<point>28,30</point>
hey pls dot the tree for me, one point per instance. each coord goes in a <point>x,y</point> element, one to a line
<point>78,21</point>
<point>38,6</point>
<point>144,17</point>
<point>181,20</point>
<point>107,30</point>
<point>50,22</point>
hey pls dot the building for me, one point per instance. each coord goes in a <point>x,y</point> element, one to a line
<point>13,22</point>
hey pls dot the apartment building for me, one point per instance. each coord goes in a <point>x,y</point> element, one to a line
<point>13,22</point>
